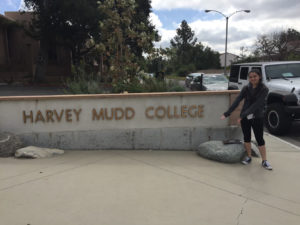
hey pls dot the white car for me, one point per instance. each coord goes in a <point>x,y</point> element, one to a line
<point>209,82</point>
<point>190,77</point>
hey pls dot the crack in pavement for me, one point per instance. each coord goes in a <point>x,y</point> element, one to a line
<point>241,212</point>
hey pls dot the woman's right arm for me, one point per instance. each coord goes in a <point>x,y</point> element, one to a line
<point>236,102</point>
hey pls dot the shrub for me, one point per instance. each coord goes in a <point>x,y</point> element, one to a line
<point>149,85</point>
<point>82,83</point>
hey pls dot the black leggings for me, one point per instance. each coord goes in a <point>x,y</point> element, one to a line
<point>257,125</point>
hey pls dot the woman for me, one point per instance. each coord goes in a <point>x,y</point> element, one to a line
<point>252,115</point>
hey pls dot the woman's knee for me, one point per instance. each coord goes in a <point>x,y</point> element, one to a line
<point>247,139</point>
<point>260,142</point>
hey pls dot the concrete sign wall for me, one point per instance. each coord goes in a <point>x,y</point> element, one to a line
<point>119,121</point>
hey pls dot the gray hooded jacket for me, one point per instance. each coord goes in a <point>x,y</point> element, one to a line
<point>255,100</point>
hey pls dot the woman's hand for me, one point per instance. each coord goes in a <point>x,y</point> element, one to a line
<point>239,120</point>
<point>223,117</point>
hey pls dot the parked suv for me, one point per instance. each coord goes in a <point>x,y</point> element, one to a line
<point>283,81</point>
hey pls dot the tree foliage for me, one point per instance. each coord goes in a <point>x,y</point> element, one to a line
<point>125,36</point>
<point>120,30</point>
<point>185,54</point>
<point>68,23</point>
<point>144,26</point>
<point>183,42</point>
<point>282,45</point>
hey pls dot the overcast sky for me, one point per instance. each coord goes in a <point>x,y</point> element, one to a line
<point>266,16</point>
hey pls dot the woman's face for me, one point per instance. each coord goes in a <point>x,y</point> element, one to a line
<point>254,79</point>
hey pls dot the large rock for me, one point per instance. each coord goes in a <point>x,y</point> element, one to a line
<point>254,150</point>
<point>9,143</point>
<point>33,152</point>
<point>216,150</point>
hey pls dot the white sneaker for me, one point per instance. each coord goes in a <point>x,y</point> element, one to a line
<point>265,164</point>
<point>246,160</point>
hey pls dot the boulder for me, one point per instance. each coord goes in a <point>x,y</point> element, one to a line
<point>9,143</point>
<point>254,150</point>
<point>33,152</point>
<point>227,153</point>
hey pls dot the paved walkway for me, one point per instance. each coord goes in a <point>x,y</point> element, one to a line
<point>150,188</point>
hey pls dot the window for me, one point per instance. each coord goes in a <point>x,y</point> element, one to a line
<point>256,68</point>
<point>244,73</point>
<point>197,79</point>
<point>283,71</point>
<point>234,73</point>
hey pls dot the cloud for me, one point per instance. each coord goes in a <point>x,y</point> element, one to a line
<point>22,5</point>
<point>266,17</point>
<point>166,35</point>
<point>10,3</point>
<point>274,8</point>
<point>155,21</point>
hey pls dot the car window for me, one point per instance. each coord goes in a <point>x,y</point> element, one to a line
<point>213,79</point>
<point>206,80</point>
<point>197,79</point>
<point>234,73</point>
<point>283,71</point>
<point>256,68</point>
<point>244,73</point>
<point>220,78</point>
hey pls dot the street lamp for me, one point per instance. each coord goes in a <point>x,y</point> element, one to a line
<point>227,17</point>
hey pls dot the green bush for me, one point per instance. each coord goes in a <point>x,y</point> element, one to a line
<point>174,86</point>
<point>132,87</point>
<point>83,81</point>
<point>148,85</point>
<point>82,85</point>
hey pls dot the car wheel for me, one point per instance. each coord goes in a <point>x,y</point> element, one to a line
<point>277,120</point>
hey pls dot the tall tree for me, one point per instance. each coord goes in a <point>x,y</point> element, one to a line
<point>190,54</point>
<point>124,38</point>
<point>185,36</point>
<point>68,23</point>
<point>184,41</point>
<point>141,24</point>
<point>205,57</point>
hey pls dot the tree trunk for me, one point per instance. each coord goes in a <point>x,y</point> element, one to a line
<point>42,62</point>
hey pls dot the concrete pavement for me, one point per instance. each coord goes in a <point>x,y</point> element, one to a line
<point>150,188</point>
<point>293,136</point>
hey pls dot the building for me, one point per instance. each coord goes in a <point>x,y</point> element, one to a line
<point>231,58</point>
<point>19,52</point>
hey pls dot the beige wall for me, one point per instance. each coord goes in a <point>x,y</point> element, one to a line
<point>190,116</point>
<point>213,105</point>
